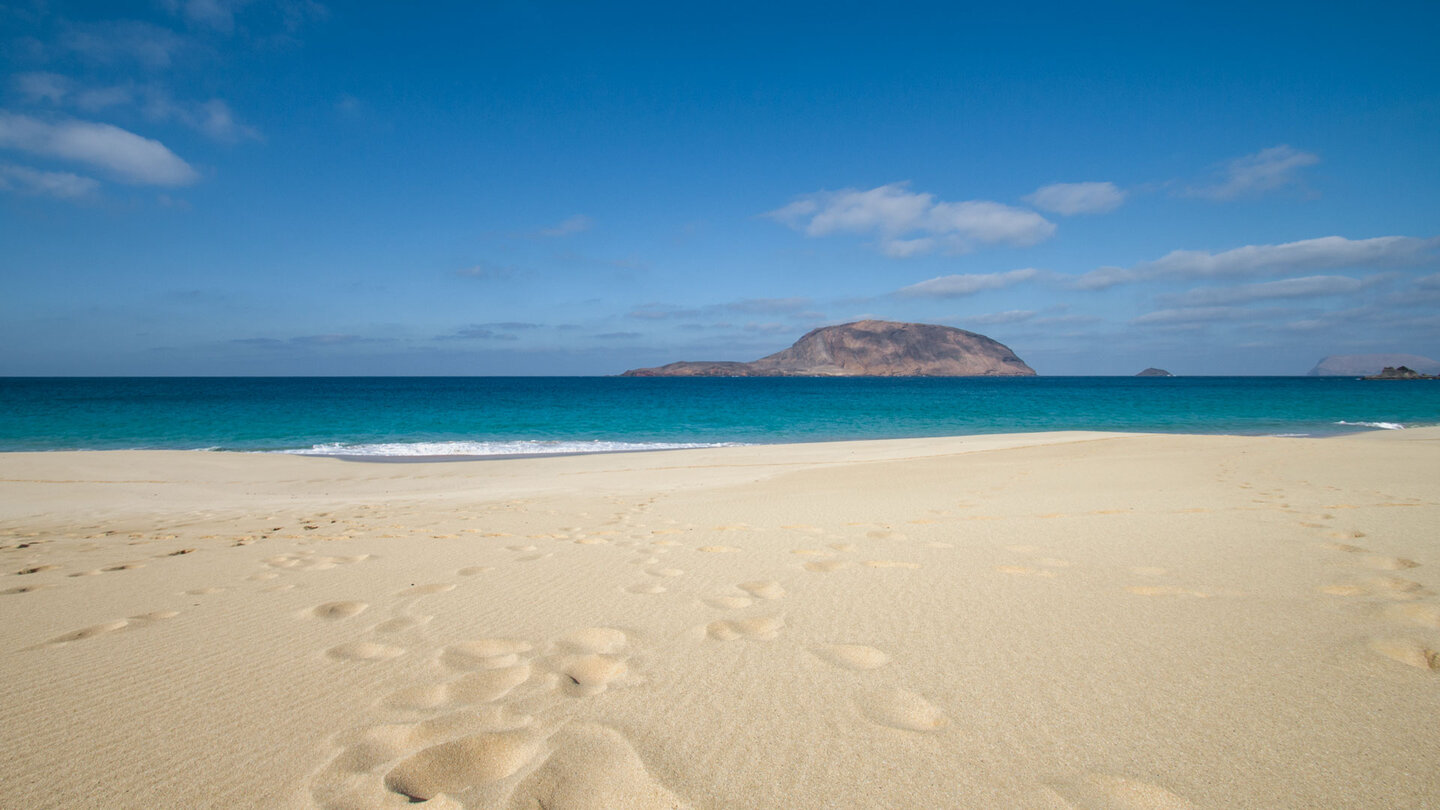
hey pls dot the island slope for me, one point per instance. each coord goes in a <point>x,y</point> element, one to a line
<point>869,349</point>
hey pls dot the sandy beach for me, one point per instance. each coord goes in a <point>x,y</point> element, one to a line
<point>1058,620</point>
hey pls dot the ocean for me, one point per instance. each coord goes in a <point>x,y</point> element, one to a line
<point>416,417</point>
<point>493,416</point>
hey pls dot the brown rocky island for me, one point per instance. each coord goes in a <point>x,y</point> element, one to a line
<point>868,349</point>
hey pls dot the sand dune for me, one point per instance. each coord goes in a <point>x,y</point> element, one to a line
<point>1070,620</point>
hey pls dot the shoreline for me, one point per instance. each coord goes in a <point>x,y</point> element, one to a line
<point>1347,429</point>
<point>1048,620</point>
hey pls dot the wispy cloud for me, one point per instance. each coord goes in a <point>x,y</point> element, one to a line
<point>911,223</point>
<point>307,341</point>
<point>213,118</point>
<point>124,41</point>
<point>1069,199</point>
<point>1325,253</point>
<point>566,227</point>
<point>997,318</point>
<point>478,332</point>
<point>955,286</point>
<point>619,335</point>
<point>1193,315</point>
<point>125,155</point>
<point>1305,287</point>
<point>489,271</point>
<point>1250,175</point>
<point>218,15</point>
<point>62,185</point>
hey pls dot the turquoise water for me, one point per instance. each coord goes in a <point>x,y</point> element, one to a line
<point>499,415</point>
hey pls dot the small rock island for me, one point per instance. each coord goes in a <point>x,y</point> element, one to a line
<point>868,349</point>
<point>1154,372</point>
<point>1400,373</point>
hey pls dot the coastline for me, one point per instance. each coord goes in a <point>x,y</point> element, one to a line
<point>1033,620</point>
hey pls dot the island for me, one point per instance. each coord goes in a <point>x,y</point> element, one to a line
<point>1358,365</point>
<point>868,349</point>
<point>1154,372</point>
<point>1400,373</point>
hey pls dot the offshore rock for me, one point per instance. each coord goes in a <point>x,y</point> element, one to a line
<point>869,349</point>
<point>1154,372</point>
<point>1359,365</point>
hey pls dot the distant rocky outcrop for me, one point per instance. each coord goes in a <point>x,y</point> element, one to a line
<point>869,349</point>
<point>1154,372</point>
<point>1360,365</point>
<point>1400,373</point>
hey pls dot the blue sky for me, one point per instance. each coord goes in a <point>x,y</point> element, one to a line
<point>284,187</point>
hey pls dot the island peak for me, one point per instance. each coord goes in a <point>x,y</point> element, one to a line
<point>869,348</point>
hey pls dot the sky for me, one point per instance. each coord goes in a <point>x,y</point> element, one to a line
<point>285,187</point>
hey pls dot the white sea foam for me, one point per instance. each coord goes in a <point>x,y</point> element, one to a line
<point>516,448</point>
<point>1381,425</point>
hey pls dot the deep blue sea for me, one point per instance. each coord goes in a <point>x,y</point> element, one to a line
<point>418,416</point>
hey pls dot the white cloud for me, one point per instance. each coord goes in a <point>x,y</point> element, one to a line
<point>36,87</point>
<point>63,185</point>
<point>568,226</point>
<point>993,318</point>
<point>912,223</point>
<point>1069,199</point>
<point>129,157</point>
<point>1306,287</point>
<point>1325,253</point>
<point>1263,171</point>
<point>967,284</point>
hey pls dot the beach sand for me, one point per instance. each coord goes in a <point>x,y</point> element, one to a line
<point>1064,620</point>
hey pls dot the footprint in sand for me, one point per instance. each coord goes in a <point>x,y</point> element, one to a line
<point>485,653</point>
<point>825,566</point>
<point>482,686</point>
<point>647,588</point>
<point>763,589</point>
<point>1098,791</point>
<point>459,765</point>
<point>338,610</point>
<point>902,709</point>
<point>1409,652</point>
<point>885,535</point>
<point>90,632</point>
<point>475,569</point>
<point>400,624</point>
<point>891,564</point>
<point>852,656</point>
<point>1393,588</point>
<point>1420,614</point>
<point>594,766</point>
<point>763,628</point>
<point>28,588</point>
<point>364,651</point>
<point>1379,563</point>
<point>718,549</point>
